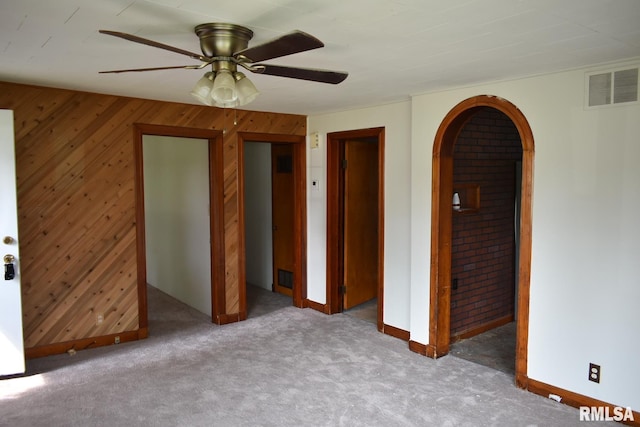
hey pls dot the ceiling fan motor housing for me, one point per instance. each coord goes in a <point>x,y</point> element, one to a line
<point>218,39</point>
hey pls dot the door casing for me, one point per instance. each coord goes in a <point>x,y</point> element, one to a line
<point>216,225</point>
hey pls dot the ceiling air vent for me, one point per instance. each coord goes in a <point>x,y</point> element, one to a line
<point>612,87</point>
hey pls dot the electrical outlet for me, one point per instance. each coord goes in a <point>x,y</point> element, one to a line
<point>99,318</point>
<point>116,340</point>
<point>594,372</point>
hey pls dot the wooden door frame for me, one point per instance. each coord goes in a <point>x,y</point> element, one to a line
<point>300,213</point>
<point>334,141</point>
<point>216,225</point>
<point>441,226</point>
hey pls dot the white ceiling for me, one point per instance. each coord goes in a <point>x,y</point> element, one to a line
<point>391,48</point>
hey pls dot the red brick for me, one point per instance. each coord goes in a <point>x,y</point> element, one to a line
<point>483,243</point>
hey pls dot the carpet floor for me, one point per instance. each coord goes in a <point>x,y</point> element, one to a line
<point>495,348</point>
<point>283,366</point>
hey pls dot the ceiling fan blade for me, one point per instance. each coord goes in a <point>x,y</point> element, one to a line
<point>187,67</point>
<point>322,76</point>
<point>148,42</point>
<point>294,42</point>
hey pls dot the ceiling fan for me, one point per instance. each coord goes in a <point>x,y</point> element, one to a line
<point>225,47</point>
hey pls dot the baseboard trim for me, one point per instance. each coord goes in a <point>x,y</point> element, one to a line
<point>574,399</point>
<point>395,332</point>
<point>225,319</point>
<point>482,328</point>
<point>322,308</point>
<point>424,349</point>
<point>417,347</point>
<point>85,343</point>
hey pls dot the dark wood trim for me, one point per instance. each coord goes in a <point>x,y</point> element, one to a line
<point>395,332</point>
<point>333,194</point>
<point>224,319</point>
<point>417,347</point>
<point>335,146</point>
<point>432,352</point>
<point>574,399</point>
<point>242,247</point>
<point>482,328</point>
<point>522,381</point>
<point>380,324</point>
<point>216,184</point>
<point>141,256</point>
<point>300,220</point>
<point>143,333</point>
<point>85,343</point>
<point>322,308</point>
<point>300,207</point>
<point>442,185</point>
<point>216,225</point>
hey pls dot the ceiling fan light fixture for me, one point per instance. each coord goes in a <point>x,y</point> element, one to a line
<point>224,88</point>
<point>224,47</point>
<point>202,90</point>
<point>245,88</point>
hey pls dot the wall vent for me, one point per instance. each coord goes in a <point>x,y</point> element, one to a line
<point>285,278</point>
<point>612,87</point>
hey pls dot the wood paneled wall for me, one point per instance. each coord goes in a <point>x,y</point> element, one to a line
<point>76,206</point>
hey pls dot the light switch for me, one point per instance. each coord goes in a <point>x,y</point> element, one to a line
<point>315,140</point>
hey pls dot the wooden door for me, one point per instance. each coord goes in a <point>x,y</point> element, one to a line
<point>283,215</point>
<point>360,222</point>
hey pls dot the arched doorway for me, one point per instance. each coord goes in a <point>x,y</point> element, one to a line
<point>441,226</point>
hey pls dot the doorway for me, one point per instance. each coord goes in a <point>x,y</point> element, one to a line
<point>272,172</point>
<point>211,240</point>
<point>355,221</point>
<point>176,207</point>
<point>484,240</point>
<point>441,232</point>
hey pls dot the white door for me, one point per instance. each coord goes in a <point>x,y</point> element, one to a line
<point>11,342</point>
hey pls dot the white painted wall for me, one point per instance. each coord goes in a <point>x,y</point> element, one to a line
<point>176,200</point>
<point>586,238</point>
<point>257,214</point>
<point>395,118</point>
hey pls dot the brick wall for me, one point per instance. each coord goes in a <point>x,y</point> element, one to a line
<point>483,247</point>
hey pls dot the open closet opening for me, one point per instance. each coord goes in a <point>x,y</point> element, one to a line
<point>176,208</point>
<point>355,223</point>
<point>269,247</point>
<point>273,202</point>
<point>179,218</point>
